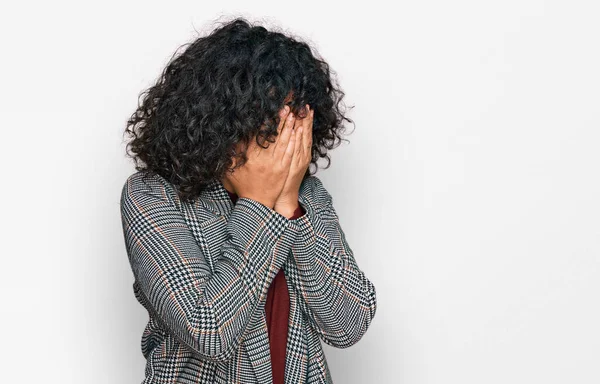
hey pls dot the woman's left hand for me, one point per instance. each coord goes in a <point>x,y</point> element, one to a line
<point>288,198</point>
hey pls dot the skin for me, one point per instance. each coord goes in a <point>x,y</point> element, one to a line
<point>285,161</point>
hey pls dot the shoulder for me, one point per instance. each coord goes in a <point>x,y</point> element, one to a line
<point>313,190</point>
<point>143,187</point>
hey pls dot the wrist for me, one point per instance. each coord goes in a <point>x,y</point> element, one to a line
<point>287,209</point>
<point>265,202</point>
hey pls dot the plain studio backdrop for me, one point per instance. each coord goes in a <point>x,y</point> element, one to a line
<point>469,190</point>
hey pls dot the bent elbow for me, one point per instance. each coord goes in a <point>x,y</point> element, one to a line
<point>208,344</point>
<point>344,339</point>
<point>351,334</point>
<point>356,323</point>
<point>217,351</point>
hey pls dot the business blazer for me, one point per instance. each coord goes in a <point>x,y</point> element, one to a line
<point>202,270</point>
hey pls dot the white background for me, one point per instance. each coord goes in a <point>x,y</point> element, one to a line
<point>469,191</point>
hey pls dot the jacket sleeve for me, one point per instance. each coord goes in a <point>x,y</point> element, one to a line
<point>207,312</point>
<point>339,300</point>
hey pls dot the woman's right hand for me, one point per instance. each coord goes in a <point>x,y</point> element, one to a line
<point>263,175</point>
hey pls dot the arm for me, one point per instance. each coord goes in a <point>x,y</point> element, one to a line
<point>207,312</point>
<point>339,300</point>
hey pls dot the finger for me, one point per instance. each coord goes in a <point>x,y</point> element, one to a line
<point>307,133</point>
<point>283,114</point>
<point>289,150</point>
<point>284,137</point>
<point>298,150</point>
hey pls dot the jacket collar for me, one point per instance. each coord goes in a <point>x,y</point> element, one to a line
<point>215,198</point>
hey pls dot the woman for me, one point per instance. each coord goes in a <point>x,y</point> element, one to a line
<point>236,249</point>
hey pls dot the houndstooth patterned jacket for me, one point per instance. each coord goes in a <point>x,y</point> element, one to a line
<point>202,270</point>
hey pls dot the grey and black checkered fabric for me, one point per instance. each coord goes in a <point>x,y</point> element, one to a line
<point>202,269</point>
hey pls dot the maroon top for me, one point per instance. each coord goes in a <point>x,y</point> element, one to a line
<point>277,309</point>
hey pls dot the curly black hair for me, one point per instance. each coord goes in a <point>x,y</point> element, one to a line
<point>226,88</point>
